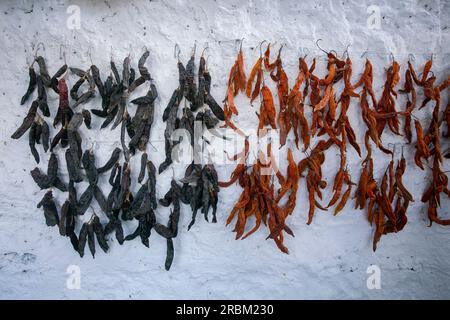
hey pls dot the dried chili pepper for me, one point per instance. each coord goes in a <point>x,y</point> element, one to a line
<point>50,179</point>
<point>111,161</point>
<point>87,118</point>
<point>50,211</point>
<point>43,70</point>
<point>31,85</point>
<point>27,121</point>
<point>32,140</point>
<point>144,159</point>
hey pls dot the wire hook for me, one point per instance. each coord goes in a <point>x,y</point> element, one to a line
<point>176,51</point>
<point>205,49</point>
<point>345,53</point>
<point>89,53</point>
<point>364,53</point>
<point>260,47</point>
<point>62,53</point>
<point>195,48</point>
<point>240,46</point>
<point>39,45</point>
<point>391,55</point>
<point>317,44</point>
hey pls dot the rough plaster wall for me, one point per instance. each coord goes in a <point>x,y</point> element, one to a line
<point>328,259</point>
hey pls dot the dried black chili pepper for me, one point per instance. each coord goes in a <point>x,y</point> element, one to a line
<point>109,118</point>
<point>121,111</point>
<point>214,106</point>
<point>70,213</point>
<point>60,137</point>
<point>111,161</point>
<point>32,141</point>
<point>126,151</point>
<point>88,161</point>
<point>144,158</point>
<point>45,135</point>
<point>76,87</point>
<point>132,77</point>
<point>143,71</point>
<point>87,118</point>
<point>85,200</point>
<point>101,200</point>
<point>42,97</point>
<point>89,94</point>
<point>82,238</point>
<point>191,87</point>
<point>151,183</point>
<point>145,136</point>
<point>31,85</point>
<point>38,131</point>
<point>98,230</point>
<point>43,71</point>
<point>73,167</point>
<point>115,72</point>
<point>169,254</point>
<point>50,211</point>
<point>97,80</point>
<point>171,126</point>
<point>174,102</point>
<point>136,83</point>
<point>62,219</point>
<point>54,79</point>
<point>91,237</point>
<point>196,202</point>
<point>27,121</point>
<point>113,173</point>
<point>149,98</point>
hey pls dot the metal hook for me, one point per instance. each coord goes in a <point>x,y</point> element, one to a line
<point>411,57</point>
<point>176,53</point>
<point>195,48</point>
<point>303,49</point>
<point>392,57</point>
<point>281,48</point>
<point>131,49</point>
<point>317,44</point>
<point>111,53</point>
<point>346,51</point>
<point>260,47</point>
<point>40,44</point>
<point>62,54</point>
<point>205,49</point>
<point>206,62</point>
<point>393,149</point>
<point>152,146</point>
<point>364,53</point>
<point>89,54</point>
<point>240,46</point>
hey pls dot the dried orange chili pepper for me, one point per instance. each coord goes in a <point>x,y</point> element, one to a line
<point>253,73</point>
